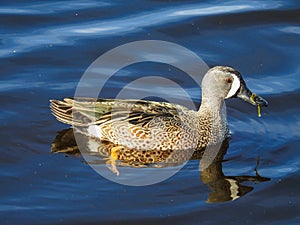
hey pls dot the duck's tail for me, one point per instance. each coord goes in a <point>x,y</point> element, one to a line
<point>79,112</point>
<point>62,110</point>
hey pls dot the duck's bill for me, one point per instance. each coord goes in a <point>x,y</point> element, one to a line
<point>245,94</point>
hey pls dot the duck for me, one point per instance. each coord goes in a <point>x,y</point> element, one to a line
<point>149,131</point>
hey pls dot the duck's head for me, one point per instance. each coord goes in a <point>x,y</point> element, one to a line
<point>225,82</point>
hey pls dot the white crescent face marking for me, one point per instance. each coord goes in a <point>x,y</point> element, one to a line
<point>234,86</point>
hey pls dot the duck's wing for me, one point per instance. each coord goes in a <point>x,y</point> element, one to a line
<point>88,111</point>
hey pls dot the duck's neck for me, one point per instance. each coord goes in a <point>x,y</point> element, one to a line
<point>212,113</point>
<point>214,105</point>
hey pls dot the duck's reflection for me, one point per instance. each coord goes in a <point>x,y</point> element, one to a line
<point>223,188</point>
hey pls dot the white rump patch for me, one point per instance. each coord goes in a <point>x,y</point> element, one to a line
<point>93,145</point>
<point>94,131</point>
<point>234,86</point>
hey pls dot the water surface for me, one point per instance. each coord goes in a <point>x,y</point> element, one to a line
<point>47,45</point>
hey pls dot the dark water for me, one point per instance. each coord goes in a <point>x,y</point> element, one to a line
<point>46,47</point>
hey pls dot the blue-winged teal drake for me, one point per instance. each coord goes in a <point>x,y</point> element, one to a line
<point>147,130</point>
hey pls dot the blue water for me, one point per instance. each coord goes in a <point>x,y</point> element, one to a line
<point>45,47</point>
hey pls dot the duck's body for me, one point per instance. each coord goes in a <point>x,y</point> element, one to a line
<point>143,125</point>
<point>139,125</point>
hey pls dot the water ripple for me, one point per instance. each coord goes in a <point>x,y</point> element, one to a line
<point>69,33</point>
<point>276,84</point>
<point>50,7</point>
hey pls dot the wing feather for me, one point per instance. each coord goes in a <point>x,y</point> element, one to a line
<point>88,111</point>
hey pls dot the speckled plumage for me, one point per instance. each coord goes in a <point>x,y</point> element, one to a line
<point>142,125</point>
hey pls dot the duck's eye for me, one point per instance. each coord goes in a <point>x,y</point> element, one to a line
<point>229,80</point>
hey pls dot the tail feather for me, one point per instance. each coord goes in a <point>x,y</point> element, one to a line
<point>65,112</point>
<point>81,112</point>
